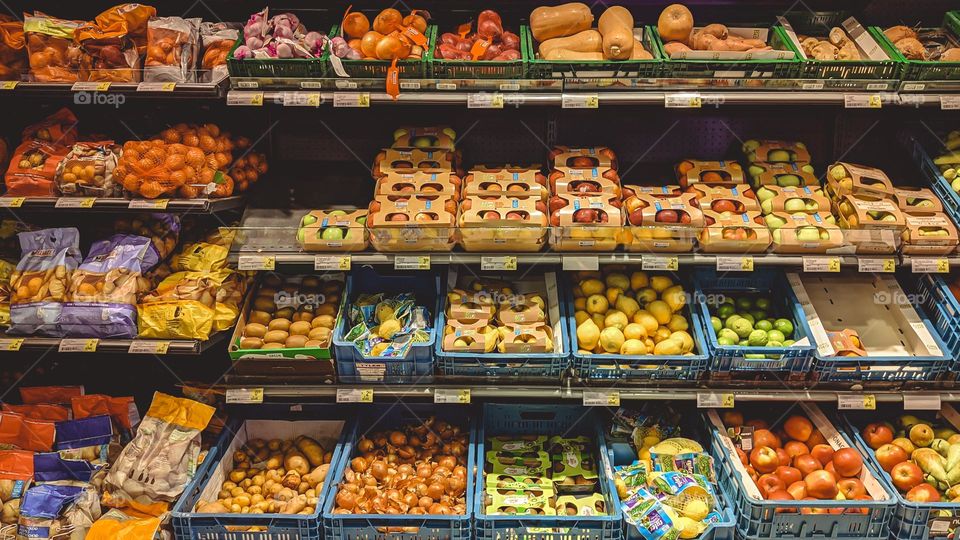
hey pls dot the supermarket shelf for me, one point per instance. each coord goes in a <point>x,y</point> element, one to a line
<point>211,90</point>
<point>87,204</point>
<point>157,347</point>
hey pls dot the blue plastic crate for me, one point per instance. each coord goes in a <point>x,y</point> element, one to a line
<point>911,520</point>
<point>759,519</point>
<point>773,284</point>
<point>940,185</point>
<point>191,525</point>
<point>417,366</point>
<point>621,453</point>
<point>414,527</point>
<point>639,368</point>
<point>569,420</point>
<point>886,368</point>
<point>942,306</point>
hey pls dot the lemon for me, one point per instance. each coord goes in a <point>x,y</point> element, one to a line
<point>660,283</point>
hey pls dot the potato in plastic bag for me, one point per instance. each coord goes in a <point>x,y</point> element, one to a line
<point>39,283</point>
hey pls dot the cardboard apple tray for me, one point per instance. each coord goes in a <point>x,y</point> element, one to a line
<point>714,191</point>
<point>717,237</point>
<point>440,137</point>
<point>917,200</point>
<point>567,157</point>
<point>833,437</point>
<point>437,234</point>
<point>659,236</point>
<point>741,202</point>
<point>798,152</point>
<point>478,232</point>
<point>566,234</point>
<point>489,182</point>
<point>402,160</point>
<point>837,302</point>
<point>418,182</point>
<point>692,171</point>
<point>869,235</point>
<point>582,181</point>
<point>863,180</point>
<point>782,174</point>
<point>778,203</point>
<point>917,239</point>
<point>786,240</point>
<point>354,232</point>
<point>669,190</point>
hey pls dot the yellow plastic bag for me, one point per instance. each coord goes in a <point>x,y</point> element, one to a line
<point>115,525</point>
<point>184,319</point>
<point>200,257</point>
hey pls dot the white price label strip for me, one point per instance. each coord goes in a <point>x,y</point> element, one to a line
<point>11,344</point>
<point>653,262</point>
<point>156,87</point>
<point>245,99</point>
<point>864,402</point>
<point>581,262</point>
<point>352,99</point>
<point>81,345</point>
<point>735,264</point>
<point>493,264</point>
<point>90,86</point>
<point>601,398</point>
<point>139,346</point>
<point>821,264</point>
<point>301,99</point>
<point>257,262</point>
<point>332,262</point>
<point>75,202</point>
<point>580,101</point>
<point>484,101</point>
<point>354,395</point>
<point>929,266</point>
<point>921,402</point>
<point>714,400</point>
<point>452,395</point>
<point>682,101</point>
<point>877,266</point>
<point>244,395</point>
<point>950,103</point>
<point>411,262</point>
<point>862,101</point>
<point>149,204</point>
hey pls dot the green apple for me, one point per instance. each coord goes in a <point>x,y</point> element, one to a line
<point>837,172</point>
<point>755,171</point>
<point>788,180</point>
<point>925,203</point>
<point>807,168</point>
<point>399,133</point>
<point>955,185</point>
<point>332,233</point>
<point>301,235</point>
<point>811,206</point>
<point>808,234</point>
<point>830,219</point>
<point>766,206</point>
<point>750,146</point>
<point>422,142</point>
<point>824,235</point>
<point>765,193</point>
<point>888,217</point>
<point>779,156</point>
<point>336,213</point>
<point>362,220</point>
<point>308,219</point>
<point>794,205</point>
<point>776,235</point>
<point>774,222</point>
<point>449,132</point>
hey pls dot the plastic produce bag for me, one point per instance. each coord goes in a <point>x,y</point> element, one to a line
<point>16,475</point>
<point>40,281</point>
<point>103,292</point>
<point>39,411</point>
<point>87,170</point>
<point>13,55</point>
<point>154,168</point>
<point>122,411</point>
<point>58,129</point>
<point>153,470</point>
<point>112,43</point>
<point>183,306</point>
<point>86,439</point>
<point>50,469</point>
<point>172,44</point>
<point>216,40</point>
<point>17,432</point>
<point>115,525</point>
<point>41,507</point>
<point>54,56</point>
<point>163,230</point>
<point>6,269</point>
<point>33,169</point>
<point>201,257</point>
<point>49,394</point>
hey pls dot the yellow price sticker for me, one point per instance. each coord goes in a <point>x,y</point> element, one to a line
<point>452,395</point>
<point>366,396</point>
<point>244,395</point>
<point>866,402</point>
<point>735,264</point>
<point>149,204</point>
<point>11,344</point>
<point>411,262</point>
<point>714,400</point>
<point>8,85</point>
<point>139,346</point>
<point>168,87</point>
<point>102,87</point>
<point>78,345</point>
<point>654,262</point>
<point>341,263</point>
<point>875,102</point>
<point>929,266</point>
<point>484,101</point>
<point>12,202</point>
<point>257,262</point>
<point>492,264</point>
<point>74,202</point>
<point>354,395</point>
<point>601,398</point>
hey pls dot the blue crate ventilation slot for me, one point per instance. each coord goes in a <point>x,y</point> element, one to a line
<point>944,309</point>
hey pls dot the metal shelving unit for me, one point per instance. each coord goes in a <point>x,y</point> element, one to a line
<point>157,347</point>
<point>215,89</point>
<point>114,205</point>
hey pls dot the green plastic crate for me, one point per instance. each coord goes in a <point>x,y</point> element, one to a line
<point>785,68</point>
<point>924,70</point>
<point>469,69</point>
<point>297,68</point>
<point>818,24</point>
<point>377,69</point>
<point>546,69</point>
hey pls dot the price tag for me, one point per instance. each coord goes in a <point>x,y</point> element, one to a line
<point>451,395</point>
<point>409,85</point>
<point>332,262</point>
<point>446,86</point>
<point>313,85</point>
<point>929,266</point>
<point>156,87</point>
<point>950,103</point>
<point>139,346</point>
<point>581,262</point>
<point>149,204</point>
<point>257,262</point>
<point>682,101</point>
<point>75,202</point>
<point>821,264</point>
<point>78,345</point>
<point>484,101</point>
<point>245,99</point>
<point>921,402</point>
<point>508,262</point>
<point>735,264</point>
<point>878,266</point>
<point>580,101</point>
<point>8,85</point>
<point>653,262</point>
<point>90,86</point>
<point>354,395</point>
<point>352,99</point>
<point>601,398</point>
<point>11,202</point>
<point>244,395</point>
<point>411,262</point>
<point>862,101</point>
<point>509,87</point>
<point>11,344</point>
<point>862,402</point>
<point>300,99</point>
<point>714,400</point>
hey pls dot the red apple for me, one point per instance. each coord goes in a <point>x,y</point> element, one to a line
<point>781,495</point>
<point>784,457</point>
<point>806,463</point>
<point>490,214</point>
<point>847,462</point>
<point>789,475</point>
<point>823,453</point>
<point>399,217</point>
<point>764,459</point>
<point>757,424</point>
<point>723,205</point>
<point>889,455</point>
<point>798,489</point>
<point>585,215</point>
<point>515,215</point>
<point>666,216</point>
<point>768,483</point>
<point>821,484</point>
<point>765,437</point>
<point>796,448</point>
<point>877,434</point>
<point>923,493</point>
<point>906,475</point>
<point>851,487</point>
<point>684,218</point>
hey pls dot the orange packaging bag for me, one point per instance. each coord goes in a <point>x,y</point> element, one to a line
<point>33,168</point>
<point>111,44</point>
<point>39,411</point>
<point>13,52</point>
<point>58,129</point>
<point>49,394</point>
<point>53,54</point>
<point>23,433</point>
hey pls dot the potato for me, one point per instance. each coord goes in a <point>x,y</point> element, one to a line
<point>237,491</point>
<point>242,500</point>
<point>254,330</point>
<point>311,449</point>
<point>274,463</point>
<point>295,342</point>
<point>263,303</point>
<point>212,508</point>
<point>295,461</point>
<point>317,475</point>
<point>275,336</point>
<point>299,328</point>
<point>237,475</point>
<point>279,324</point>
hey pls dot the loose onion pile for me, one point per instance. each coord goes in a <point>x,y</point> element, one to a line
<point>420,469</point>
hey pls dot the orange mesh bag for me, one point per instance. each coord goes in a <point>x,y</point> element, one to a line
<point>54,57</point>
<point>13,56</point>
<point>153,168</point>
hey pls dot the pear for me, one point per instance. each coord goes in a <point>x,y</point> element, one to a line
<point>588,334</point>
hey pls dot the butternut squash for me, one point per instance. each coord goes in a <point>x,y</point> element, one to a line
<point>616,27</point>
<point>586,41</point>
<point>566,55</point>
<point>559,21</point>
<point>639,53</point>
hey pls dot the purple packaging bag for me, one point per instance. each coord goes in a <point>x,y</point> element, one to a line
<point>39,284</point>
<point>102,298</point>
